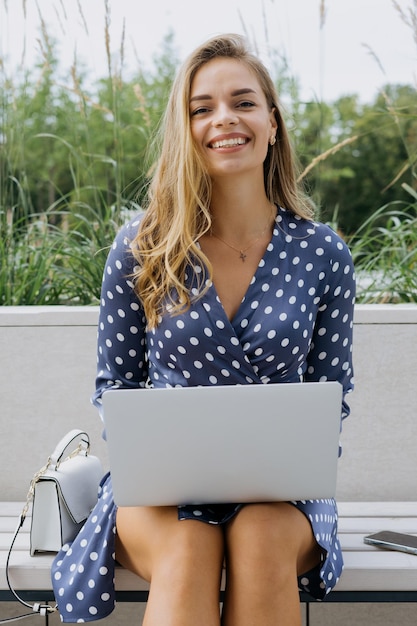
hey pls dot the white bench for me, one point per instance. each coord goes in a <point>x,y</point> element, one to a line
<point>370,574</point>
<point>377,472</point>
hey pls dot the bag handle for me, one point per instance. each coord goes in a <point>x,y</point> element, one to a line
<point>56,456</point>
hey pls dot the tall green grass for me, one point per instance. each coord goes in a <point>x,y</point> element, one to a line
<point>43,263</point>
<point>57,255</point>
<point>384,250</point>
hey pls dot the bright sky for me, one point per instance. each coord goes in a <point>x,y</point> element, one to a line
<point>336,58</point>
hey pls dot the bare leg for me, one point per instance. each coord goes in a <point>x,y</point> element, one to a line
<point>267,546</point>
<point>181,559</point>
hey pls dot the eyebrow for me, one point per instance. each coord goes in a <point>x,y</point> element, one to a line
<point>236,92</point>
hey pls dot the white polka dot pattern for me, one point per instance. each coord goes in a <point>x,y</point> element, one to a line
<point>83,573</point>
<point>294,323</point>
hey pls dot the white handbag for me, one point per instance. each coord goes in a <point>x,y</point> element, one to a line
<point>64,492</point>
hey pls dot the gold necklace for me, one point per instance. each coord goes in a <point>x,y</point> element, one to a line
<point>241,251</point>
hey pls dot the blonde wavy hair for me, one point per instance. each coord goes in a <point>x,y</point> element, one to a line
<point>178,208</point>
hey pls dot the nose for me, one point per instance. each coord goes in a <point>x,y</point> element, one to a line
<point>225,116</point>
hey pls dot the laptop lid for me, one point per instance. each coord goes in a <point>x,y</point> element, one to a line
<point>235,443</point>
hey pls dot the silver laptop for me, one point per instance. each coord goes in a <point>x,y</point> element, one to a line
<point>235,443</point>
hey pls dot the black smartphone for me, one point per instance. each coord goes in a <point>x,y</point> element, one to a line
<point>393,541</point>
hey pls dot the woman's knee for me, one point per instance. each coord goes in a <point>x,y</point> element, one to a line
<point>155,541</point>
<point>264,524</point>
<point>273,538</point>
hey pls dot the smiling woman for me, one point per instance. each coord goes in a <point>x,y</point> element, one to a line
<point>225,280</point>
<point>212,84</point>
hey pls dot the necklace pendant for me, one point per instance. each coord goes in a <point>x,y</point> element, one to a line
<point>243,256</point>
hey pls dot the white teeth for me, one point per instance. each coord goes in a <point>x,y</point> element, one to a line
<point>228,143</point>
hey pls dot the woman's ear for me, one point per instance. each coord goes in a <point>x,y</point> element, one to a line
<point>274,127</point>
<point>273,120</point>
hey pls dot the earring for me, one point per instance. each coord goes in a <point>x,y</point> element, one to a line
<point>272,140</point>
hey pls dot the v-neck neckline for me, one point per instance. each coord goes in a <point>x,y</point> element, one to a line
<point>253,280</point>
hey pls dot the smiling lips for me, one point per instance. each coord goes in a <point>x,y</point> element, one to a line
<point>229,143</point>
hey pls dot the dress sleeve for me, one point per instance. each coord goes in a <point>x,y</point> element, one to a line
<point>121,350</point>
<point>330,355</point>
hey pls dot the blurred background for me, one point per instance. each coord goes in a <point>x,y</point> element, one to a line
<point>83,86</point>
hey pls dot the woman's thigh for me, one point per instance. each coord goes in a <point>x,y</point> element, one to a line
<point>153,537</point>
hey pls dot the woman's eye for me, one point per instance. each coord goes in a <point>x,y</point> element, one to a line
<point>246,104</point>
<point>199,111</point>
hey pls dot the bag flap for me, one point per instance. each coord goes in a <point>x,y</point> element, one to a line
<point>77,480</point>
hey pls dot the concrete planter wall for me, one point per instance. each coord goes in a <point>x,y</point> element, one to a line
<point>47,370</point>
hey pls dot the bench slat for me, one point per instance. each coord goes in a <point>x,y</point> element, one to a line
<point>9,525</point>
<point>379,570</point>
<point>21,543</point>
<point>10,509</point>
<point>377,509</point>
<point>363,525</point>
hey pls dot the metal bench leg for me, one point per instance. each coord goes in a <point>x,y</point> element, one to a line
<point>307,613</point>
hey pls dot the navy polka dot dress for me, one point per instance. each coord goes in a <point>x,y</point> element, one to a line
<point>294,324</point>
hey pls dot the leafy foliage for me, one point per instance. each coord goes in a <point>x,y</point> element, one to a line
<point>75,162</point>
<point>384,250</point>
<point>369,171</point>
